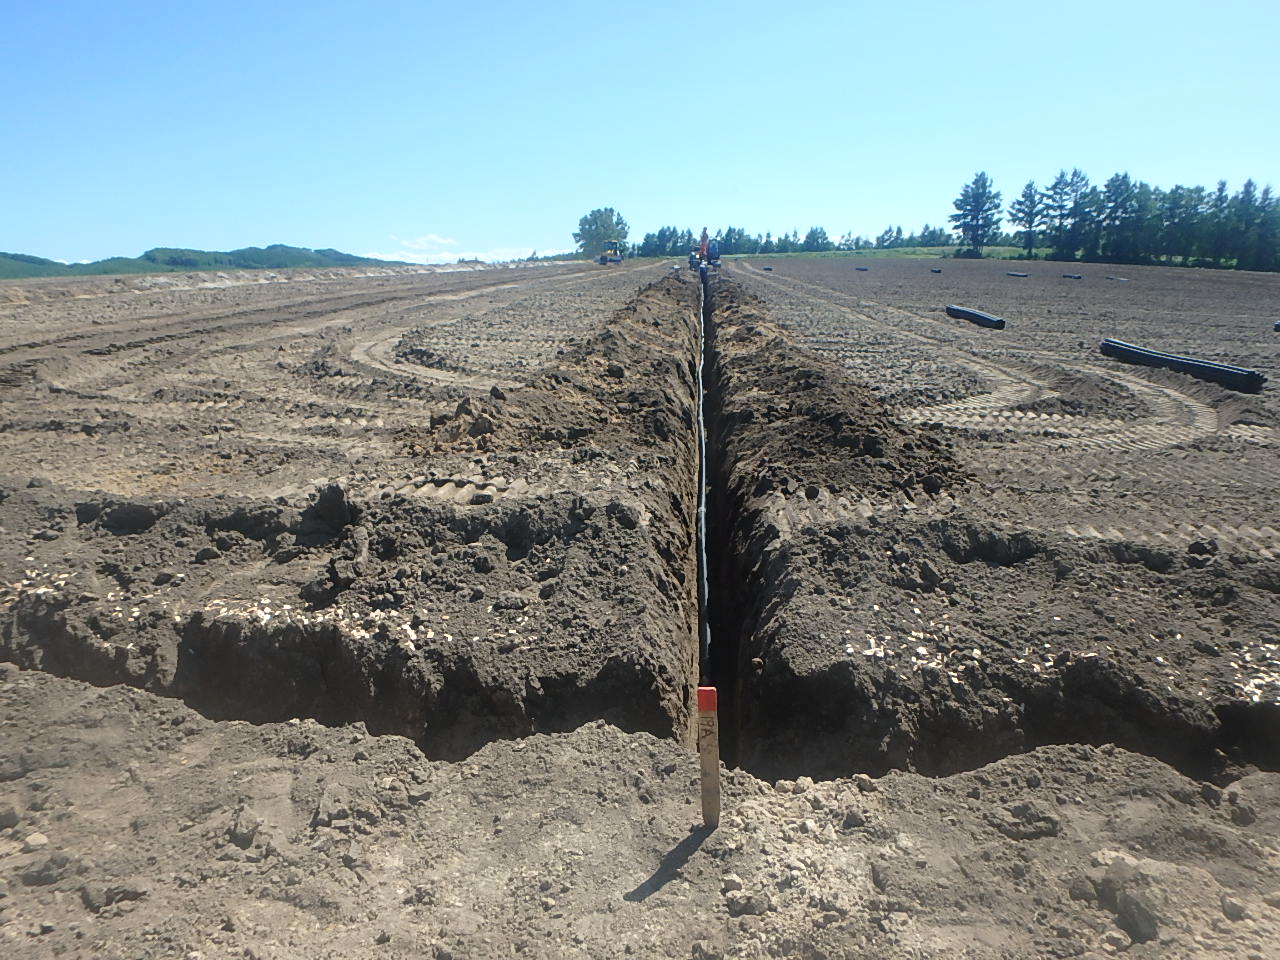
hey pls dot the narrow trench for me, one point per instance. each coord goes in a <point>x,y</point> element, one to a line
<point>828,725</point>
<point>311,673</point>
<point>721,604</point>
<point>704,590</point>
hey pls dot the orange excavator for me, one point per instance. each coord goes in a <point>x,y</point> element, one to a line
<point>707,252</point>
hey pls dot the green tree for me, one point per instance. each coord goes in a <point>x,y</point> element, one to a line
<point>664,243</point>
<point>1245,215</point>
<point>736,240</point>
<point>1030,212</point>
<point>1122,219</point>
<point>1062,197</point>
<point>1148,224</point>
<point>599,228</point>
<point>816,239</point>
<point>931,236</point>
<point>1065,206</point>
<point>1268,232</point>
<point>1182,213</point>
<point>977,216</point>
<point>1056,205</point>
<point>1217,224</point>
<point>1085,232</point>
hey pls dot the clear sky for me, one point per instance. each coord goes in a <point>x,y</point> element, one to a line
<point>429,131</point>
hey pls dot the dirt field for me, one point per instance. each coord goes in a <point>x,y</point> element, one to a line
<point>356,615</point>
<point>1108,572</point>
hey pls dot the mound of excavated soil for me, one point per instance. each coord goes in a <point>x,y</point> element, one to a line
<point>550,583</point>
<point>132,827</point>
<point>880,615</point>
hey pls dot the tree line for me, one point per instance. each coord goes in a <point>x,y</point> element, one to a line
<point>1122,221</point>
<point>674,242</point>
<point>1128,221</point>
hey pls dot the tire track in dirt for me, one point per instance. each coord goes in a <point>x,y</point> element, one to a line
<point>378,353</point>
<point>109,339</point>
<point>1007,387</point>
<point>1063,451</point>
<point>234,387</point>
<point>330,306</point>
<point>1177,418</point>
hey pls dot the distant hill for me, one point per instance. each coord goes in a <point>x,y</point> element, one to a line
<point>169,260</point>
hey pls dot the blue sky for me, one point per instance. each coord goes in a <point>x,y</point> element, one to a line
<point>429,131</point>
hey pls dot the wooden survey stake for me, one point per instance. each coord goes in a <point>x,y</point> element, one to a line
<point>709,751</point>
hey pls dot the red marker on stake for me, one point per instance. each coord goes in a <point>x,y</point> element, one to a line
<point>709,752</point>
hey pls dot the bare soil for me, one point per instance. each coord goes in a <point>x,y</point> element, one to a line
<point>1107,571</point>
<point>467,565</point>
<point>356,615</point>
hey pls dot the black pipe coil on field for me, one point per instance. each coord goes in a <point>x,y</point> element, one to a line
<point>1014,273</point>
<point>1232,377</point>
<point>935,269</point>
<point>863,269</point>
<point>1276,328</point>
<point>1072,276</point>
<point>975,316</point>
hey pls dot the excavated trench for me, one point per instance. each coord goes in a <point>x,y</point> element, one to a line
<point>775,537</point>
<point>857,626</point>
<point>725,604</point>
